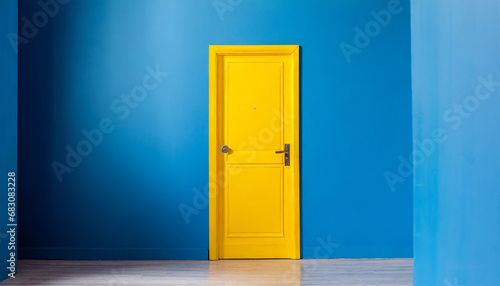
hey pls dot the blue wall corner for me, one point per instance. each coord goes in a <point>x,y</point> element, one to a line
<point>8,138</point>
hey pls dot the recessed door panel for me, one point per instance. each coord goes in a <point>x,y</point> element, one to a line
<point>254,201</point>
<point>254,95</point>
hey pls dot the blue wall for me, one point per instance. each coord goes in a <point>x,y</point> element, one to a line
<point>125,199</point>
<point>8,135</point>
<point>456,99</point>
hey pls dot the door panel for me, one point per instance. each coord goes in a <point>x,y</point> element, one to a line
<point>255,201</point>
<point>255,211</point>
<point>254,99</point>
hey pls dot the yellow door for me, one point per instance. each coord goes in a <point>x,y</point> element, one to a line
<point>254,152</point>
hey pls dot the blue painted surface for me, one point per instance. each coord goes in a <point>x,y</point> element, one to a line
<point>455,48</point>
<point>126,194</point>
<point>8,132</point>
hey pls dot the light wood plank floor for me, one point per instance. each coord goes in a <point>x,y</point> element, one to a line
<point>224,272</point>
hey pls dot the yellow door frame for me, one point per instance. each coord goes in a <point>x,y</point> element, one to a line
<point>215,156</point>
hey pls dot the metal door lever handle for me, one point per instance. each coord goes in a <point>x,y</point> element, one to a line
<point>287,154</point>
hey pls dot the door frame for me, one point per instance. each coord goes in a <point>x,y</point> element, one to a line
<point>215,157</point>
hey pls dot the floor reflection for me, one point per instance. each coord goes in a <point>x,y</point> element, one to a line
<point>374,272</point>
<point>255,272</point>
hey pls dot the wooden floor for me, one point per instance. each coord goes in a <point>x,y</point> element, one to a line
<point>224,272</point>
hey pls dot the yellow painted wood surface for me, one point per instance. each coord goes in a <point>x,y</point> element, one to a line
<point>254,110</point>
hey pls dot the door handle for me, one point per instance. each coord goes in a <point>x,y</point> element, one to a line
<point>287,154</point>
<point>225,149</point>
